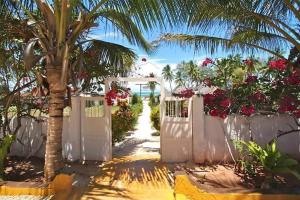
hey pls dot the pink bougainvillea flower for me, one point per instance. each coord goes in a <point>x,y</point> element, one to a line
<point>248,62</point>
<point>218,113</point>
<point>207,82</point>
<point>279,65</point>
<point>293,79</point>
<point>208,99</point>
<point>288,104</point>
<point>214,112</point>
<point>219,92</point>
<point>207,61</point>
<point>251,79</point>
<point>110,96</point>
<point>225,103</point>
<point>258,96</point>
<point>247,110</point>
<point>188,93</point>
<point>123,95</point>
<point>272,65</point>
<point>297,113</point>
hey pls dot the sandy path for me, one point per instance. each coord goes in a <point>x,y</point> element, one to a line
<point>136,171</point>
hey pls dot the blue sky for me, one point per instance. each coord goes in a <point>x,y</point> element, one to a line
<point>164,55</point>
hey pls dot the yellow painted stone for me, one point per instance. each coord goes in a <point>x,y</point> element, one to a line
<point>185,190</point>
<point>60,184</point>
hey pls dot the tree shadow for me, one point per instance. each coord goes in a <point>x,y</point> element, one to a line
<point>123,176</point>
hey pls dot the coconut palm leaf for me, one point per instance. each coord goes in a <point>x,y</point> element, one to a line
<point>126,26</point>
<point>246,25</point>
<point>106,53</point>
<point>148,14</point>
<point>210,43</point>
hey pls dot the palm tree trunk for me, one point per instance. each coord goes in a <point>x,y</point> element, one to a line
<point>53,156</point>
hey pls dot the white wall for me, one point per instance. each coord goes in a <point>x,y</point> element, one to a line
<point>82,139</point>
<point>210,139</point>
<point>216,140</point>
<point>32,139</point>
<point>32,135</point>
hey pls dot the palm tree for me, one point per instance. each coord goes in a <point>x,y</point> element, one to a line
<point>193,72</point>
<point>245,25</point>
<point>180,79</point>
<point>152,84</point>
<point>60,27</point>
<point>168,75</point>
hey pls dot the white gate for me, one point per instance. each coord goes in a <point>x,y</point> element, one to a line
<point>96,136</point>
<point>176,130</point>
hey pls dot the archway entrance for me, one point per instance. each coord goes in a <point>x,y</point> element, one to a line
<point>145,117</point>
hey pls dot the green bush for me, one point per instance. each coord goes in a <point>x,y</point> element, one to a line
<point>135,99</point>
<point>125,119</point>
<point>155,117</point>
<point>5,144</point>
<point>151,100</point>
<point>136,111</point>
<point>268,158</point>
<point>122,122</point>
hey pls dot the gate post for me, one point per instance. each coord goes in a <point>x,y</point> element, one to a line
<point>108,122</point>
<point>199,144</point>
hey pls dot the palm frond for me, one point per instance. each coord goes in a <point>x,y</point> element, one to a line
<point>126,26</point>
<point>265,16</point>
<point>211,44</point>
<point>100,53</point>
<point>264,39</point>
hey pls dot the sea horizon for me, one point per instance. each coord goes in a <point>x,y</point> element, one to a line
<point>146,93</point>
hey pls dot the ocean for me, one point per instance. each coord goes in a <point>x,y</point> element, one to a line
<point>147,93</point>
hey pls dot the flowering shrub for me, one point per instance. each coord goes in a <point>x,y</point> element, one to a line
<point>187,93</point>
<point>113,94</point>
<point>122,121</point>
<point>207,61</point>
<point>249,86</point>
<point>155,117</point>
<point>125,118</point>
<point>279,64</point>
<point>248,62</point>
<point>247,110</point>
<point>218,103</point>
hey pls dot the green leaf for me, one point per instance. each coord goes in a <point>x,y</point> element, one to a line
<point>290,162</point>
<point>273,145</point>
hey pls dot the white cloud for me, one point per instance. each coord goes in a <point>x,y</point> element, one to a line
<point>151,65</point>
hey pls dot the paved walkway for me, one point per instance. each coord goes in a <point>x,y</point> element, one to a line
<point>136,172</point>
